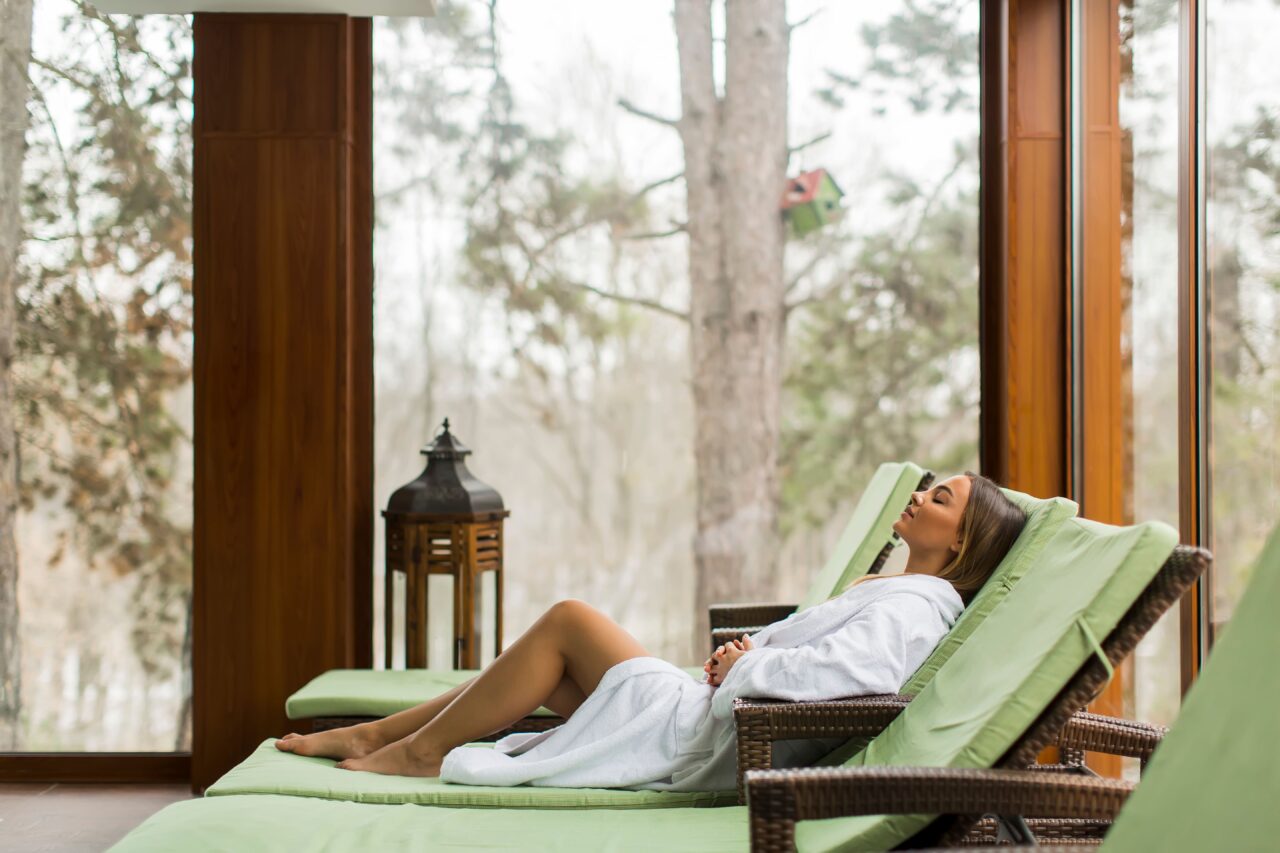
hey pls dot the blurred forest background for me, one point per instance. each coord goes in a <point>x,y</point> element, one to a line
<point>536,213</point>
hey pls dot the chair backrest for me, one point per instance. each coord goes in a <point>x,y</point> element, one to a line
<point>1044,518</point>
<point>1212,783</point>
<point>868,531</point>
<point>1012,667</point>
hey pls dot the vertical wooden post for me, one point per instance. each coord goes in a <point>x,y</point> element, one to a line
<point>1103,478</point>
<point>283,368</point>
<point>1023,283</point>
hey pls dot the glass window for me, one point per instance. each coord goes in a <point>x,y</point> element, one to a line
<point>1146,34</point>
<point>102,382</point>
<point>532,257</point>
<point>1243,264</point>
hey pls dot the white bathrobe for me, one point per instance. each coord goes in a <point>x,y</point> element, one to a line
<point>650,725</point>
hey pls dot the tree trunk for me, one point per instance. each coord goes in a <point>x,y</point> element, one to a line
<point>735,150</point>
<point>15,52</point>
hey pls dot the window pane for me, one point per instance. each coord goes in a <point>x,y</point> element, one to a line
<point>1243,261</point>
<point>509,201</point>
<point>102,383</point>
<point>1148,227</point>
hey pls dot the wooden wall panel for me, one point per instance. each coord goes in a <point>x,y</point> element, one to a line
<point>1023,277</point>
<point>283,365</point>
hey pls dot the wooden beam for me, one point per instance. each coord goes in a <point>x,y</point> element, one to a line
<point>283,369</point>
<point>120,767</point>
<point>1194,392</point>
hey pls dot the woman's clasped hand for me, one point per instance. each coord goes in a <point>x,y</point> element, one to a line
<point>723,658</point>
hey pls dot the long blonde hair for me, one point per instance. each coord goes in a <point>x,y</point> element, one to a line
<point>990,524</point>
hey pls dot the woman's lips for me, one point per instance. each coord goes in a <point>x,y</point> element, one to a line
<point>906,514</point>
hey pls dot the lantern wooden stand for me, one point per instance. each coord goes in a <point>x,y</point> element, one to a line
<point>446,522</point>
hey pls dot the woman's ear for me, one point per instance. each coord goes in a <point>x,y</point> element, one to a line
<point>958,544</point>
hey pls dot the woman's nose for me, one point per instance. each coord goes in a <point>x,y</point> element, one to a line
<point>917,498</point>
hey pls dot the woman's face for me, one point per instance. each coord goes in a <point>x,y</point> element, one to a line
<point>931,522</point>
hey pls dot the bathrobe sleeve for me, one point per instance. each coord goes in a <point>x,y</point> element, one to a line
<point>876,651</point>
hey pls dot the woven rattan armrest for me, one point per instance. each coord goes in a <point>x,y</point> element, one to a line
<point>1110,735</point>
<point>761,722</point>
<point>753,616</point>
<point>779,798</point>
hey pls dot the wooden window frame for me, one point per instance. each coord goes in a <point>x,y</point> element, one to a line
<point>1043,430</point>
<point>1036,444</point>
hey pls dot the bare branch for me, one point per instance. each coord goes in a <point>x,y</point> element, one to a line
<point>822,251</point>
<point>658,235</point>
<point>630,300</point>
<point>822,137</point>
<point>806,19</point>
<point>637,111</point>
<point>574,228</point>
<point>650,187</point>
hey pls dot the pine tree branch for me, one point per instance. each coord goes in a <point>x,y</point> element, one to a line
<point>642,113</point>
<point>639,301</point>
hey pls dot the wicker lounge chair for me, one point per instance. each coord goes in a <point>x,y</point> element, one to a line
<point>1212,784</point>
<point>343,697</point>
<point>1122,580</point>
<point>811,809</point>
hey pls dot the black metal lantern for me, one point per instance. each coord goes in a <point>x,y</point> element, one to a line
<point>444,522</point>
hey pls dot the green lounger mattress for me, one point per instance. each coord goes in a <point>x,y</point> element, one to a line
<point>270,771</point>
<point>970,714</point>
<point>276,824</point>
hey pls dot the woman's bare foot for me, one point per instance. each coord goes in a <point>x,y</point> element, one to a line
<point>406,757</point>
<point>347,742</point>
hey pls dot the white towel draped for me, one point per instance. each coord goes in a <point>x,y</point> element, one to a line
<point>648,724</point>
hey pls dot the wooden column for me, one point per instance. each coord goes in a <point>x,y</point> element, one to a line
<point>1023,282</point>
<point>1103,479</point>
<point>283,368</point>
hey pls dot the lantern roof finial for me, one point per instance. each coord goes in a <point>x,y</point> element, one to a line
<point>446,487</point>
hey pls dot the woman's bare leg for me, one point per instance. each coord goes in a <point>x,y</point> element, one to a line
<point>572,640</point>
<point>361,739</point>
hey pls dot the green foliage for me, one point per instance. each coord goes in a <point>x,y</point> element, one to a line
<point>925,52</point>
<point>104,307</point>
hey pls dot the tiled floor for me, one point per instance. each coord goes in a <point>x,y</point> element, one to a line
<point>43,818</point>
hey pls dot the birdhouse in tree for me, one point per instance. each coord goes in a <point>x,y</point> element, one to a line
<point>811,200</point>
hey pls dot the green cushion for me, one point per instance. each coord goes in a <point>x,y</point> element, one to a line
<point>274,824</point>
<point>1212,784</point>
<point>868,531</point>
<point>1010,669</point>
<point>1044,518</point>
<point>374,692</point>
<point>270,771</point>
<point>380,692</point>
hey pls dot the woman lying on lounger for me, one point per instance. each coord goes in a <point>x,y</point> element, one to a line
<point>633,721</point>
